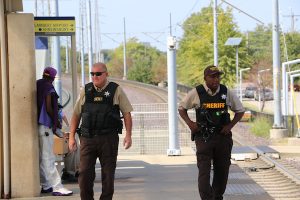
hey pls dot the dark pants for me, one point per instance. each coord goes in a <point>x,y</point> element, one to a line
<point>218,150</point>
<point>104,147</point>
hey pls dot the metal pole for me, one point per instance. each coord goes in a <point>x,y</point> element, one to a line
<point>241,77</point>
<point>82,51</point>
<point>237,66</point>
<point>142,134</point>
<point>241,93</point>
<point>74,69</point>
<point>67,55</point>
<point>49,8</point>
<point>215,33</point>
<point>259,100</point>
<point>276,68</point>
<point>124,52</point>
<point>35,7</point>
<point>259,90</point>
<point>285,74</point>
<point>172,99</point>
<point>90,42</point>
<point>56,59</point>
<point>292,91</point>
<point>170,24</point>
<point>286,89</point>
<point>292,107</point>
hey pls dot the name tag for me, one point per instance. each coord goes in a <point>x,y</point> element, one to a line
<point>98,98</point>
<point>213,105</point>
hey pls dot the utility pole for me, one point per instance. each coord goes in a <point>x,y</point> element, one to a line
<point>67,55</point>
<point>56,59</point>
<point>215,32</point>
<point>277,131</point>
<point>49,8</point>
<point>174,148</point>
<point>124,52</point>
<point>82,11</point>
<point>35,7</point>
<point>90,43</point>
<point>241,82</point>
<point>97,33</point>
<point>293,19</point>
<point>41,7</point>
<point>276,67</point>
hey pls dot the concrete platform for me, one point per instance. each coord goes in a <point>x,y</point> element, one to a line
<point>160,177</point>
<point>269,151</point>
<point>294,141</point>
<point>243,153</point>
<point>278,133</point>
<point>287,149</point>
<point>247,152</point>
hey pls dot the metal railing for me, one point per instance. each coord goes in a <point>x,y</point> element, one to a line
<point>150,132</point>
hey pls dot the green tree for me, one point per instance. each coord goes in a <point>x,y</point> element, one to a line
<point>196,47</point>
<point>141,60</point>
<point>140,72</point>
<point>159,69</point>
<point>292,41</point>
<point>260,52</point>
<point>260,45</point>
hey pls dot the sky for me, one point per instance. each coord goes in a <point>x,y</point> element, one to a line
<point>149,20</point>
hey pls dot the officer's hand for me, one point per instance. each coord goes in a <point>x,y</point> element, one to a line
<point>226,129</point>
<point>194,127</point>
<point>72,144</point>
<point>127,142</point>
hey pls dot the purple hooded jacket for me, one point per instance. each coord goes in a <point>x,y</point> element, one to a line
<point>45,87</point>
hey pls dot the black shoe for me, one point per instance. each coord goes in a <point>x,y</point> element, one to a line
<point>47,190</point>
<point>68,178</point>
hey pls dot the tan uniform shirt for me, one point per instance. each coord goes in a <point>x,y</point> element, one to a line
<point>120,99</point>
<point>192,100</point>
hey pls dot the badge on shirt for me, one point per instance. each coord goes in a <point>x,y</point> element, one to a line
<point>98,98</point>
<point>106,94</point>
<point>223,96</point>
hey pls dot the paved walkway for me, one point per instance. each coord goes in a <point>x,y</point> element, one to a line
<point>161,177</point>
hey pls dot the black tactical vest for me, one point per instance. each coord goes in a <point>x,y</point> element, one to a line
<point>99,115</point>
<point>213,111</point>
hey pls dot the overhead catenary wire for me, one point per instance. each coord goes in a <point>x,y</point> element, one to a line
<point>155,39</point>
<point>259,21</point>
<point>112,39</point>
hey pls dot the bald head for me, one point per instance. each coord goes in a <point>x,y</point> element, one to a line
<point>100,65</point>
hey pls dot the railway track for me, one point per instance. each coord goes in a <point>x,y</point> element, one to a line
<point>276,176</point>
<point>271,179</point>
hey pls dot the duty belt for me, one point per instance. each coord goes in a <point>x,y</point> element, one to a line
<point>92,133</point>
<point>208,132</point>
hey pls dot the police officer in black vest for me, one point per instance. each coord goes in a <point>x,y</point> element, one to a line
<point>212,130</point>
<point>98,107</point>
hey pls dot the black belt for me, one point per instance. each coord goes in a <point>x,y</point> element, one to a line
<point>93,133</point>
<point>209,132</point>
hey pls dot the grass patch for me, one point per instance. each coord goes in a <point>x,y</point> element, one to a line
<point>252,106</point>
<point>261,127</point>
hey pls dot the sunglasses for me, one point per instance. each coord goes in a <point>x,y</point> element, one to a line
<point>96,73</point>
